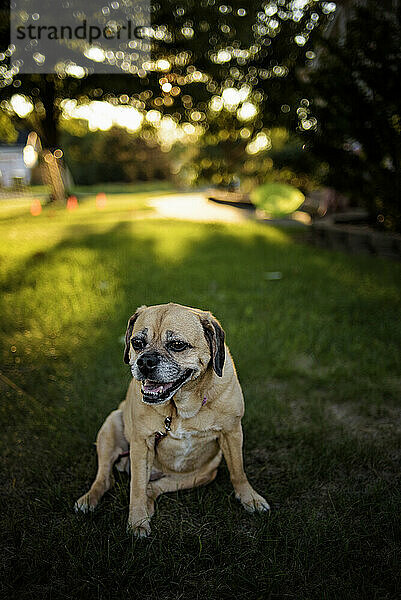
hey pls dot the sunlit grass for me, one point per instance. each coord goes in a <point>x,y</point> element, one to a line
<point>317,352</point>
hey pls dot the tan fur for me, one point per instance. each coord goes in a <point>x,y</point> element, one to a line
<point>191,452</point>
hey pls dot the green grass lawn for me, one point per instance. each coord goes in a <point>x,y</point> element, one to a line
<point>318,355</point>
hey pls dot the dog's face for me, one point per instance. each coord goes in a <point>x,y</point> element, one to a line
<point>169,345</point>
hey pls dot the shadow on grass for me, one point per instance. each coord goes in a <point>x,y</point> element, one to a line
<point>333,531</point>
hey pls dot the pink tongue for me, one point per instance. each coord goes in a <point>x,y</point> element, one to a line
<point>152,386</point>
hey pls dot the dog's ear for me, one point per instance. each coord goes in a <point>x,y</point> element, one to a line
<point>128,333</point>
<point>214,335</point>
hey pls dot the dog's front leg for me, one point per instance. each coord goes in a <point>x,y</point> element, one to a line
<point>141,456</point>
<point>231,445</point>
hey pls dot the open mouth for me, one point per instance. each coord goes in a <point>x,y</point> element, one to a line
<point>154,392</point>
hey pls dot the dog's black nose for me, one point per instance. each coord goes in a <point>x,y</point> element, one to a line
<point>148,362</point>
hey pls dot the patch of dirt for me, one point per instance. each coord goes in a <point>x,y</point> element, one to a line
<point>361,425</point>
<point>275,385</point>
<point>304,362</point>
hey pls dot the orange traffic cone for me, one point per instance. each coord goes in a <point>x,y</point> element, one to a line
<point>72,203</point>
<point>36,207</point>
<point>101,201</point>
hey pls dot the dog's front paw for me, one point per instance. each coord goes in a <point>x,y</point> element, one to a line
<point>252,501</point>
<point>140,528</point>
<point>85,504</point>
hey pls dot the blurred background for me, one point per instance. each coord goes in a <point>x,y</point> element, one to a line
<point>299,92</point>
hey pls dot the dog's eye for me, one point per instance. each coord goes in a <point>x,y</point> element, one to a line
<point>177,346</point>
<point>137,344</point>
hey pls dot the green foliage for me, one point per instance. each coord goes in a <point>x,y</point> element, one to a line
<point>220,156</point>
<point>277,199</point>
<point>112,156</point>
<point>259,40</point>
<point>355,86</point>
<point>8,133</point>
<point>322,408</point>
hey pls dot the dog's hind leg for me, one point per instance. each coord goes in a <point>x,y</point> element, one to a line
<point>167,484</point>
<point>110,443</point>
<point>176,482</point>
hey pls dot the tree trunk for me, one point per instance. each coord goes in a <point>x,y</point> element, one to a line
<point>49,124</point>
<point>52,167</point>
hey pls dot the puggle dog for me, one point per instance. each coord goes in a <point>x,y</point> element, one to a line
<point>181,414</point>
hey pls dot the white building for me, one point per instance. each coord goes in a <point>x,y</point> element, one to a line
<point>12,167</point>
